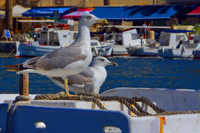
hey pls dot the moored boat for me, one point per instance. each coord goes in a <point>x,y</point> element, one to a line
<point>179,46</point>
<point>103,48</point>
<point>150,50</point>
<point>123,40</point>
<point>50,39</point>
<point>119,50</point>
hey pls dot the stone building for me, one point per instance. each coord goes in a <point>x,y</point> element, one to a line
<point>87,3</point>
<point>81,3</point>
<point>2,4</point>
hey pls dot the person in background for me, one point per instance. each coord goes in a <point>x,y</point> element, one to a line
<point>144,30</point>
<point>148,29</point>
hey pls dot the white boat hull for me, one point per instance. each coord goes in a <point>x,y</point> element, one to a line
<point>119,50</point>
<point>143,52</point>
<point>39,50</point>
<point>54,115</point>
<point>177,53</point>
<point>34,50</point>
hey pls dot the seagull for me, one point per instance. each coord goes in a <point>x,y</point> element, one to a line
<point>64,61</point>
<point>95,75</point>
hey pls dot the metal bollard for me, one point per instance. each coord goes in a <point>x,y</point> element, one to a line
<point>24,84</point>
<point>24,88</point>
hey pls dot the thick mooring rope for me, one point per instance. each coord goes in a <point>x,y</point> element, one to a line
<point>56,96</point>
<point>124,100</point>
<point>95,98</point>
<point>179,112</point>
<point>150,103</point>
<point>130,103</point>
<point>61,96</point>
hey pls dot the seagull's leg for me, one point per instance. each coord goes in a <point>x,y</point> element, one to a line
<point>66,88</point>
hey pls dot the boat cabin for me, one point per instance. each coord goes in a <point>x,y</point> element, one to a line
<point>54,37</point>
<point>126,38</point>
<point>171,40</point>
<point>121,35</point>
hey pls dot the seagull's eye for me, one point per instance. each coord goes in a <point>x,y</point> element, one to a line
<point>101,60</point>
<point>89,17</point>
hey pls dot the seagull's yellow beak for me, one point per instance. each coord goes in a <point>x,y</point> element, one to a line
<point>114,64</point>
<point>104,21</point>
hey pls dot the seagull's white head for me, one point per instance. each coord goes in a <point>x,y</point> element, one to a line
<point>102,61</point>
<point>89,19</point>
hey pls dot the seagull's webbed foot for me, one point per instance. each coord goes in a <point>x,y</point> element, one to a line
<point>69,95</point>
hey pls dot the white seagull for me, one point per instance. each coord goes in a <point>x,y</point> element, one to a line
<point>64,61</point>
<point>94,74</point>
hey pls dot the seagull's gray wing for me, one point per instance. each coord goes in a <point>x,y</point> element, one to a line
<point>58,79</point>
<point>88,72</point>
<point>31,63</point>
<point>73,79</point>
<point>60,58</point>
<point>78,79</point>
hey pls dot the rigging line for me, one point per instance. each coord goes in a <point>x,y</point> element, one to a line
<point>174,16</point>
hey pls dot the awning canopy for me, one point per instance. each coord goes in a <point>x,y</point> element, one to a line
<point>18,10</point>
<point>47,11</point>
<point>136,12</point>
<point>177,31</point>
<point>195,11</point>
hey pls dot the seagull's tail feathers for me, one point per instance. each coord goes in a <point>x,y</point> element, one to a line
<point>28,64</point>
<point>15,68</point>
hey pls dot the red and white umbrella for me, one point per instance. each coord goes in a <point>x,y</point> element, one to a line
<point>77,14</point>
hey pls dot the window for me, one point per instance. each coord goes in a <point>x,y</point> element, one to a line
<point>94,44</point>
<point>134,36</point>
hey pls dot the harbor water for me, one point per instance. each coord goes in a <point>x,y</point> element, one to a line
<point>131,72</point>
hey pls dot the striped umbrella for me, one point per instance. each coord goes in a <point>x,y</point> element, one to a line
<point>77,14</point>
